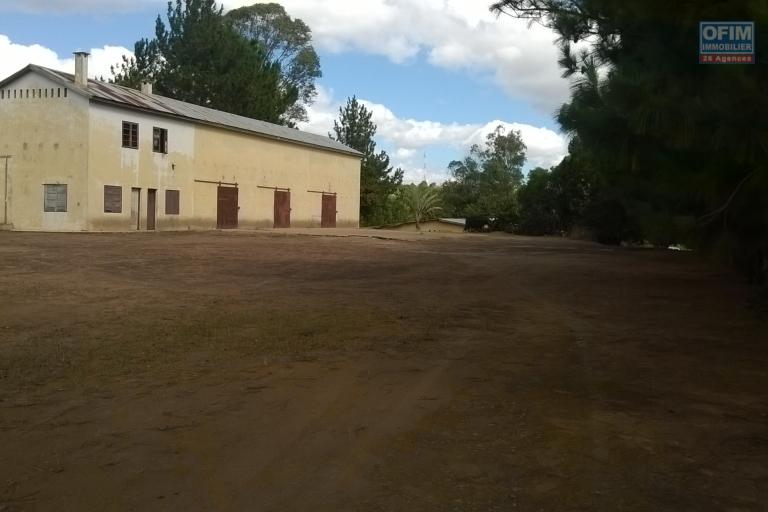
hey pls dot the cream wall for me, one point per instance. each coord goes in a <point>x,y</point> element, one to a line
<point>111,164</point>
<point>45,137</point>
<point>253,162</point>
<point>199,154</point>
<point>3,207</point>
<point>69,141</point>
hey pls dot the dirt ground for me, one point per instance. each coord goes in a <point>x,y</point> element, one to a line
<point>269,372</point>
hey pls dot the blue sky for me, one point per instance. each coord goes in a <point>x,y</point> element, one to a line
<point>438,74</point>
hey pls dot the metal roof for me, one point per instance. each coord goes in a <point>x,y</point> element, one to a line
<point>457,222</point>
<point>120,96</point>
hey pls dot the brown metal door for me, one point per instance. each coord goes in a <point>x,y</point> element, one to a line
<point>227,208</point>
<point>328,219</point>
<point>282,209</point>
<point>151,208</point>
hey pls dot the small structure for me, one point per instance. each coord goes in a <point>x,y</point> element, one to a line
<point>84,155</point>
<point>432,226</point>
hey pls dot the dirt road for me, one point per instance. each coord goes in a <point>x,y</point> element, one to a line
<point>266,372</point>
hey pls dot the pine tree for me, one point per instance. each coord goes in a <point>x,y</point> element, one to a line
<point>201,59</point>
<point>378,180</point>
<point>678,148</point>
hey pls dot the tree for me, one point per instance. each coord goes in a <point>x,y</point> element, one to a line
<point>422,201</point>
<point>537,201</point>
<point>378,180</point>
<point>199,59</point>
<point>564,198</point>
<point>286,42</point>
<point>678,148</point>
<point>484,184</point>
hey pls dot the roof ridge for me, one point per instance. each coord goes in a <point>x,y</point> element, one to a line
<point>126,97</point>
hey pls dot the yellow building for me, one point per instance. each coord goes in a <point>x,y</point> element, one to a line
<point>84,155</point>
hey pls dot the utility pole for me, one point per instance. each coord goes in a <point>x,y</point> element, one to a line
<point>5,189</point>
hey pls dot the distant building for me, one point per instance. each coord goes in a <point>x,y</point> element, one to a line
<point>91,156</point>
<point>432,226</point>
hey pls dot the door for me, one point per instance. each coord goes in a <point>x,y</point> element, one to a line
<point>282,209</point>
<point>136,208</point>
<point>328,219</point>
<point>151,208</point>
<point>227,208</point>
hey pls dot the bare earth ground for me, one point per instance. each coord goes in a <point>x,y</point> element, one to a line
<point>268,372</point>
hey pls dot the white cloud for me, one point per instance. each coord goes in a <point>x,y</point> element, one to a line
<point>412,138</point>
<point>16,56</point>
<point>453,34</point>
<point>461,35</point>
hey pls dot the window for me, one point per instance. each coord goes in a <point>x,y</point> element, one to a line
<point>55,198</point>
<point>113,199</point>
<point>130,135</point>
<point>160,140</point>
<point>171,202</point>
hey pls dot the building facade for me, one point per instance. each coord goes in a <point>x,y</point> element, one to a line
<point>84,155</point>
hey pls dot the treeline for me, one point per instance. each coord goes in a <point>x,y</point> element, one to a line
<point>484,185</point>
<point>664,150</point>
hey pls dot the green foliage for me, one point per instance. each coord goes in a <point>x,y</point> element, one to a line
<point>288,43</point>
<point>485,183</point>
<point>199,58</point>
<point>555,201</point>
<point>538,204</point>
<point>676,150</point>
<point>422,202</point>
<point>377,180</point>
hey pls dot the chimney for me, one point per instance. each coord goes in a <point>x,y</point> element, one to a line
<point>81,68</point>
<point>146,87</point>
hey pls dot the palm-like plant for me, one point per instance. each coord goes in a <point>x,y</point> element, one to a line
<point>422,202</point>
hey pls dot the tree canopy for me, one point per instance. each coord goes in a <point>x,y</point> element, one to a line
<point>486,181</point>
<point>378,179</point>
<point>198,58</point>
<point>288,43</point>
<point>676,151</point>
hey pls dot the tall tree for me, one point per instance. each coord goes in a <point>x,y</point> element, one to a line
<point>484,184</point>
<point>378,179</point>
<point>287,42</point>
<point>199,58</point>
<point>563,199</point>
<point>537,202</point>
<point>679,148</point>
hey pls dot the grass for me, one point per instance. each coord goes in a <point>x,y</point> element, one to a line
<point>225,334</point>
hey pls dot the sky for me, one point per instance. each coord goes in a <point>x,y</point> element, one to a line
<point>438,75</point>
